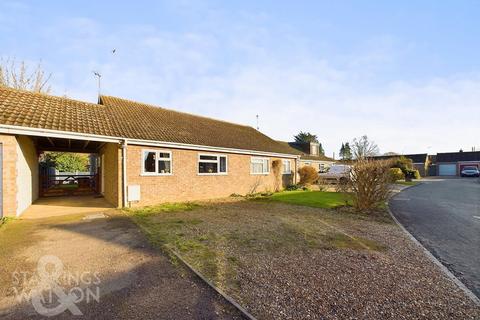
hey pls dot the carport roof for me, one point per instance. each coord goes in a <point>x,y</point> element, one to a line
<point>458,156</point>
<point>116,117</point>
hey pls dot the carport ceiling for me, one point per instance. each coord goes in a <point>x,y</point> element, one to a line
<point>67,145</point>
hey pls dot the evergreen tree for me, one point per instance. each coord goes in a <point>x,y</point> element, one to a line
<point>347,152</point>
<point>304,137</point>
<point>320,149</point>
<point>342,151</point>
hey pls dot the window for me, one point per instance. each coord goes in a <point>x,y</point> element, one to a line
<point>212,164</point>
<point>286,167</point>
<point>259,166</point>
<point>156,162</point>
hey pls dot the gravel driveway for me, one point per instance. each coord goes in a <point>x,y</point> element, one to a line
<point>283,261</point>
<point>444,215</point>
<point>135,281</point>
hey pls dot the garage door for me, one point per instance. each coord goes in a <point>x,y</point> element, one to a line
<point>447,170</point>
<point>1,181</point>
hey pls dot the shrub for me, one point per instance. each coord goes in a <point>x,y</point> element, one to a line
<point>369,183</point>
<point>417,174</point>
<point>292,187</point>
<point>396,174</point>
<point>403,163</point>
<point>308,175</point>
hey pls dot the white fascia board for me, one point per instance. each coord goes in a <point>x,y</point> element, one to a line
<point>207,148</point>
<point>9,129</point>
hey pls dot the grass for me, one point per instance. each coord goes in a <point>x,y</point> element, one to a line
<point>216,238</point>
<point>317,199</point>
<point>407,183</point>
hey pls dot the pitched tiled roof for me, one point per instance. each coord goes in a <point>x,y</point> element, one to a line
<point>416,158</point>
<point>121,118</point>
<point>458,156</point>
<point>303,155</point>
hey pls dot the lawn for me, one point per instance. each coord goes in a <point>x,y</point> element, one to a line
<point>407,183</point>
<point>317,199</point>
<point>303,261</point>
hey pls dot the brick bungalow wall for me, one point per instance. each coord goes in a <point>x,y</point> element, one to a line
<point>20,174</point>
<point>185,184</point>
<point>112,173</point>
<point>27,173</point>
<point>9,144</point>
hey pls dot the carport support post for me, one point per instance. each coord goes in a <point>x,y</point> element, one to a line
<point>124,173</point>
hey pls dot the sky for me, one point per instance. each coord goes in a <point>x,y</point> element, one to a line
<point>404,73</point>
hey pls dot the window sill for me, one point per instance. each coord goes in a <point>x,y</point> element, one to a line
<point>212,174</point>
<point>155,174</point>
<point>260,174</point>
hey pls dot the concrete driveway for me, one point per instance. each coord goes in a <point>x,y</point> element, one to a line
<point>444,215</point>
<point>105,265</point>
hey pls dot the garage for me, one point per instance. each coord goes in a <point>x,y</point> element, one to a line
<point>447,170</point>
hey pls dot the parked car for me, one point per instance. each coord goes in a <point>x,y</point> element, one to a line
<point>336,173</point>
<point>470,172</point>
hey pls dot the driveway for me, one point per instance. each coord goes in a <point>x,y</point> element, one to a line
<point>109,266</point>
<point>444,215</point>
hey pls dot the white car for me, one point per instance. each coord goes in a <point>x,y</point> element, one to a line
<point>337,173</point>
<point>470,172</point>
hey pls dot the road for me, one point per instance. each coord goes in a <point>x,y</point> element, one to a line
<point>444,215</point>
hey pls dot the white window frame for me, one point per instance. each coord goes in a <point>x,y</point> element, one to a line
<point>252,159</point>
<point>218,155</point>
<point>157,157</point>
<point>284,166</point>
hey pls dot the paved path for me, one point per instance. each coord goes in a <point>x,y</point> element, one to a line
<point>444,215</point>
<point>136,281</point>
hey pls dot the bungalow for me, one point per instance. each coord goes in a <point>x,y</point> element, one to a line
<point>310,155</point>
<point>452,163</point>
<point>146,154</point>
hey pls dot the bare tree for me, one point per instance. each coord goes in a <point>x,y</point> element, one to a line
<point>363,148</point>
<point>16,75</point>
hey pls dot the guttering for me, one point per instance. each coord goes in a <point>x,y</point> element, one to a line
<point>9,129</point>
<point>124,174</point>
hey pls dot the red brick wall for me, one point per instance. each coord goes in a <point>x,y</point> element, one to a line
<point>9,144</point>
<point>112,173</point>
<point>185,184</point>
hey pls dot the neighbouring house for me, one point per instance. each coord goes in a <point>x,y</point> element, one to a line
<point>420,161</point>
<point>146,154</point>
<point>452,163</point>
<point>310,155</point>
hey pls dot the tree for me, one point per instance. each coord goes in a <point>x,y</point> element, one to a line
<point>348,152</point>
<point>304,137</point>
<point>66,161</point>
<point>342,151</point>
<point>320,149</point>
<point>17,76</point>
<point>363,148</point>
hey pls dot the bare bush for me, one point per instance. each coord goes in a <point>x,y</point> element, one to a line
<point>277,173</point>
<point>308,175</point>
<point>369,183</point>
<point>18,76</point>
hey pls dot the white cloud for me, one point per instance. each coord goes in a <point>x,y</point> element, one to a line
<point>235,78</point>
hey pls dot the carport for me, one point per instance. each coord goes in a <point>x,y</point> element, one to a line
<point>34,190</point>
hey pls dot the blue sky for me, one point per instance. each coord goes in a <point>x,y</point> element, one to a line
<point>406,73</point>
